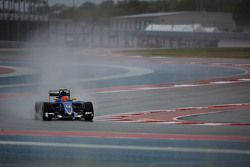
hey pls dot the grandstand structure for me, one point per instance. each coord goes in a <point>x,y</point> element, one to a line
<point>183,29</point>
<point>21,20</point>
<point>223,21</point>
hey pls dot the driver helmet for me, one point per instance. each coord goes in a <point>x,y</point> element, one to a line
<point>65,98</point>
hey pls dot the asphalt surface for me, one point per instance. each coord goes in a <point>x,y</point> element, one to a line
<point>28,142</point>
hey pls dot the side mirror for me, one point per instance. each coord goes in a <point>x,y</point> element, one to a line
<point>74,99</point>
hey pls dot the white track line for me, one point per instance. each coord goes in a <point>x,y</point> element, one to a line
<point>173,86</point>
<point>131,72</point>
<point>128,147</point>
<point>19,71</point>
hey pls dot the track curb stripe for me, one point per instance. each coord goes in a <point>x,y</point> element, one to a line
<point>174,116</point>
<point>167,86</point>
<point>218,81</point>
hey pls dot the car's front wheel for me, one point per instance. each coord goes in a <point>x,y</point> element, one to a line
<point>89,111</point>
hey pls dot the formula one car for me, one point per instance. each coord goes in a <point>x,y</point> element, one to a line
<point>61,106</point>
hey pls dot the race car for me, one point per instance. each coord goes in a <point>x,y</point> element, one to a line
<point>61,106</point>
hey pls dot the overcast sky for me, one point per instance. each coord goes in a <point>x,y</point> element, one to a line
<point>77,2</point>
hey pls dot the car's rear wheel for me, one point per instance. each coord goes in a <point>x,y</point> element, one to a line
<point>46,107</point>
<point>38,108</point>
<point>89,111</point>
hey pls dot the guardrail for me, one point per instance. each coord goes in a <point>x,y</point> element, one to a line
<point>194,35</point>
<point>23,17</point>
<point>17,44</point>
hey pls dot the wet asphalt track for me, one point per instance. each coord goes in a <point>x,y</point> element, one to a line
<point>22,143</point>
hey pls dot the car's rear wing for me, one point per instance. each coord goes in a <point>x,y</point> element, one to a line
<point>57,92</point>
<point>53,92</point>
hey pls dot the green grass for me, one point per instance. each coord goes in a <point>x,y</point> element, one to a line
<point>206,53</point>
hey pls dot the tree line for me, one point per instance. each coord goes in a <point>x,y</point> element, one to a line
<point>91,12</point>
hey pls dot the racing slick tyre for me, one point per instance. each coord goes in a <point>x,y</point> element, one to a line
<point>38,107</point>
<point>46,107</point>
<point>89,111</point>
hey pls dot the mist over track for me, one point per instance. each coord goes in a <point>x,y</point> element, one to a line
<point>102,142</point>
